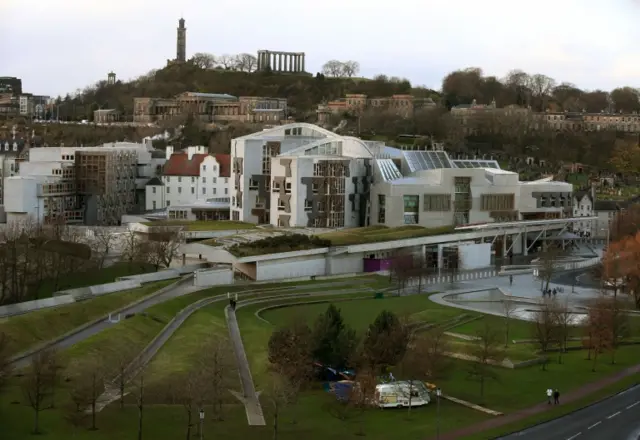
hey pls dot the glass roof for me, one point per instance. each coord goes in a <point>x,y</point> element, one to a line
<point>476,164</point>
<point>427,160</point>
<point>389,170</point>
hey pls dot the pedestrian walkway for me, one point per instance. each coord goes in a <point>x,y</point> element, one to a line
<point>569,397</point>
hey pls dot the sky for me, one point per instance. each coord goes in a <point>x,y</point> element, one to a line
<point>59,46</point>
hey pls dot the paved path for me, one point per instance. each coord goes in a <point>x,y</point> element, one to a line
<point>569,397</point>
<point>617,417</point>
<point>182,288</point>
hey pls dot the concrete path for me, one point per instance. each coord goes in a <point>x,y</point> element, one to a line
<point>569,397</point>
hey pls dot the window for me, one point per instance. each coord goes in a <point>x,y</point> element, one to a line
<point>381,208</point>
<point>168,190</point>
<point>154,205</point>
<point>204,168</point>
<point>204,190</point>
<point>167,178</point>
<point>204,180</point>
<point>411,203</point>
<point>276,187</point>
<point>314,188</point>
<point>253,185</point>
<point>259,202</point>
<point>179,190</point>
<point>193,190</point>
<point>153,190</point>
<point>226,191</point>
<point>193,179</point>
<point>308,205</point>
<point>214,180</point>
<point>214,191</point>
<point>287,188</point>
<point>179,179</point>
<point>281,204</point>
<point>497,202</point>
<point>226,180</point>
<point>168,203</point>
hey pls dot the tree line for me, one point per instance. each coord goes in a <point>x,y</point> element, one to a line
<point>36,259</point>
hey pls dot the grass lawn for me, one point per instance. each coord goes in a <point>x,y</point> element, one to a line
<point>91,277</point>
<point>29,329</point>
<point>374,234</point>
<point>198,225</point>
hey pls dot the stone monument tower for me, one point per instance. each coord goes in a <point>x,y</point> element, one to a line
<point>111,78</point>
<point>181,53</point>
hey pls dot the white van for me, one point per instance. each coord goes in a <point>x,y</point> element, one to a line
<point>396,394</point>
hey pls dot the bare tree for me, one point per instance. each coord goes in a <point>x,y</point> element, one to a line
<point>545,327</point>
<point>88,384</point>
<point>486,348</point>
<point>163,245</point>
<point>333,68</point>
<point>350,68</point>
<point>217,363</point>
<point>139,394</point>
<point>564,321</point>
<point>5,366</point>
<point>400,268</point>
<point>508,310</point>
<point>279,394</point>
<point>203,60</point>
<point>120,365</point>
<point>134,250</point>
<point>190,390</point>
<point>102,242</point>
<point>227,62</point>
<point>549,259</point>
<point>246,62</point>
<point>37,385</point>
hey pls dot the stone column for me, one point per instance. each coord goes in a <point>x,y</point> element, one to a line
<point>297,63</point>
<point>302,63</point>
<point>259,60</point>
<point>286,62</point>
<point>280,62</point>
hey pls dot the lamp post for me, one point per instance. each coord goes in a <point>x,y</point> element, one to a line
<point>201,422</point>
<point>438,394</point>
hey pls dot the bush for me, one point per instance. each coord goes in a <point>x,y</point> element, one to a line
<point>280,243</point>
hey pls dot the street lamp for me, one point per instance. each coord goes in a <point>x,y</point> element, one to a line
<point>201,422</point>
<point>438,394</point>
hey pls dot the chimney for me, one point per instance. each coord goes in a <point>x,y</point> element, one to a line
<point>169,152</point>
<point>191,151</point>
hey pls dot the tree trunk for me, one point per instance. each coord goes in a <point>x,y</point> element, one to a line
<point>93,414</point>
<point>275,423</point>
<point>188,424</point>
<point>410,399</point>
<point>36,420</point>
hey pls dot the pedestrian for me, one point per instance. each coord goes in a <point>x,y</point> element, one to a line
<point>555,292</point>
<point>549,395</point>
<point>556,397</point>
<point>511,280</point>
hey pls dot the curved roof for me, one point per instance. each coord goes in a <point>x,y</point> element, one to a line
<point>280,130</point>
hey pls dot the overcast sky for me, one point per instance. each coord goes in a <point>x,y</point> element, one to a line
<point>58,46</point>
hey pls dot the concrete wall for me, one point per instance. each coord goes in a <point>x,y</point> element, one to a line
<point>312,265</point>
<point>212,277</point>
<point>474,256</point>
<point>345,263</point>
<point>29,306</point>
<point>153,276</point>
<point>100,289</point>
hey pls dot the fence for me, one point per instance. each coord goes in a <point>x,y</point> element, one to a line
<point>452,278</point>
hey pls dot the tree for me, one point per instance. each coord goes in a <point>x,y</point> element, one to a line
<point>134,250</point>
<point>622,261</point>
<point>611,323</point>
<point>545,327</point>
<point>246,62</point>
<point>385,342</point>
<point>599,333</point>
<point>332,340</point>
<point>290,353</point>
<point>508,310</point>
<point>203,60</point>
<point>5,366</point>
<point>163,245</point>
<point>140,394</point>
<point>625,158</point>
<point>400,268</point>
<point>279,394</point>
<point>564,321</point>
<point>227,62</point>
<point>37,384</point>
<point>217,362</point>
<point>350,68</point>
<point>541,88</point>
<point>425,359</point>
<point>625,99</point>
<point>102,242</point>
<point>121,366</point>
<point>87,387</point>
<point>549,259</point>
<point>333,68</point>
<point>486,349</point>
<point>189,390</point>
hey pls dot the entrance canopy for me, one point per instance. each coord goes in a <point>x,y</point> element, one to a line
<point>565,235</point>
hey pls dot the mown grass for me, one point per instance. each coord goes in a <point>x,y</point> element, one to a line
<point>29,329</point>
<point>375,234</point>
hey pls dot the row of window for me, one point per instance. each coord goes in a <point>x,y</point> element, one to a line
<point>167,179</point>
<point>193,190</point>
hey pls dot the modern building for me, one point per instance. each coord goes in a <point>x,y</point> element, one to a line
<point>404,105</point>
<point>211,108</point>
<point>303,175</point>
<point>33,105</point>
<point>11,84</point>
<point>189,176</point>
<point>11,154</point>
<point>81,185</point>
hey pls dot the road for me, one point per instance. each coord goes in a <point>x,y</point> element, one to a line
<point>615,418</point>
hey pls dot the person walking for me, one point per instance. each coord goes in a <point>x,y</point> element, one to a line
<point>511,280</point>
<point>556,397</point>
<point>549,395</point>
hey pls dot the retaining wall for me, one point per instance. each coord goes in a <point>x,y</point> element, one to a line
<point>29,306</point>
<point>212,277</point>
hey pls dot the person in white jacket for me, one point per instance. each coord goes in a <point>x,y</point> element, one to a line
<point>549,395</point>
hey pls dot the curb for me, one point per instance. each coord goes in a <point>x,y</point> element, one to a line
<point>301,303</point>
<point>43,346</point>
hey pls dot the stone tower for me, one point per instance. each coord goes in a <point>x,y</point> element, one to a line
<point>111,78</point>
<point>181,53</point>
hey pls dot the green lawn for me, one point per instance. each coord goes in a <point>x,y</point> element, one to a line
<point>91,277</point>
<point>374,234</point>
<point>220,225</point>
<point>25,331</point>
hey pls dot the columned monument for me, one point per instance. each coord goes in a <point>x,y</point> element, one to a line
<point>289,62</point>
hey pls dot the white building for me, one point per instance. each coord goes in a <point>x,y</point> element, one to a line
<point>10,150</point>
<point>189,176</point>
<point>48,184</point>
<point>302,175</point>
<point>583,206</point>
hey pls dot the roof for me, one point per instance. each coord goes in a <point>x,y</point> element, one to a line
<point>225,164</point>
<point>154,181</point>
<point>211,95</point>
<point>608,205</point>
<point>180,165</point>
<point>580,194</point>
<point>20,144</point>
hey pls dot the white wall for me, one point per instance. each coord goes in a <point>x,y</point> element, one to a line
<point>213,277</point>
<point>312,265</point>
<point>345,263</point>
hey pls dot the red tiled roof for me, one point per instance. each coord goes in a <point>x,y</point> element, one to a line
<point>225,164</point>
<point>180,165</point>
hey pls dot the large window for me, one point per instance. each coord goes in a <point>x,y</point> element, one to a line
<point>411,204</point>
<point>381,208</point>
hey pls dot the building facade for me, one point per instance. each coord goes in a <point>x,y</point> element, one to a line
<point>583,206</point>
<point>404,105</point>
<point>211,108</point>
<point>188,177</point>
<point>81,185</point>
<point>302,175</point>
